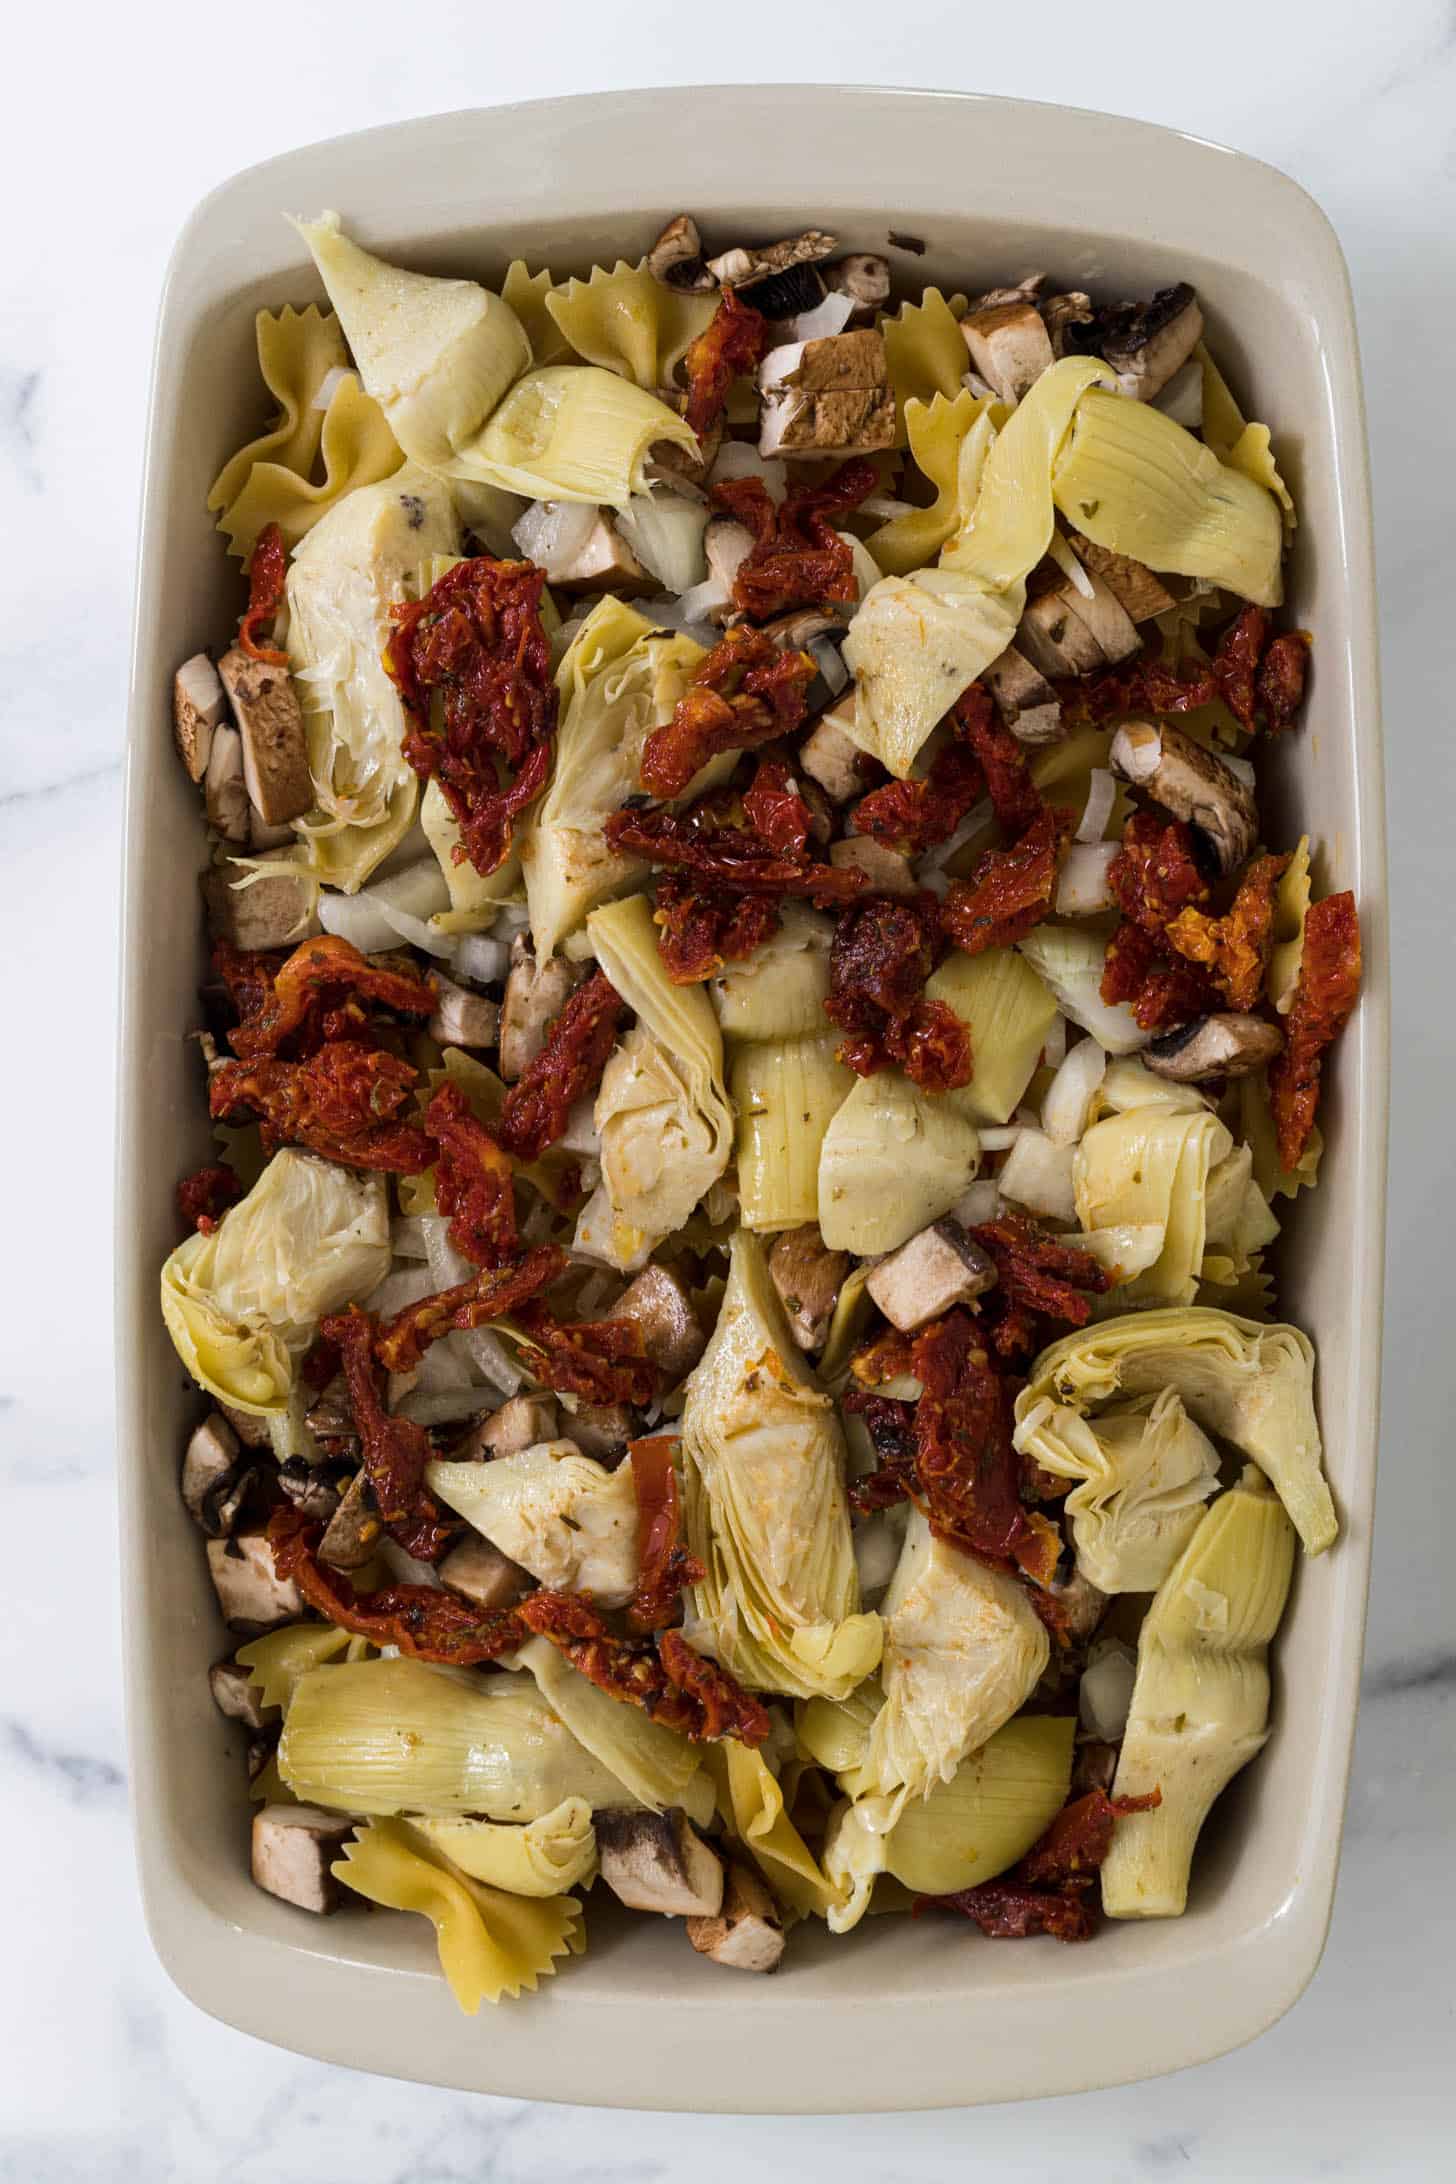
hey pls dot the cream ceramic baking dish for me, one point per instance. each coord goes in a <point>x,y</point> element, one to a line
<point>991,187</point>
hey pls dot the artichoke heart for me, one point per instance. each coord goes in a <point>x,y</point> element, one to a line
<point>893,1159</point>
<point>785,1094</point>
<point>1008,1012</point>
<point>989,1813</point>
<point>779,991</point>
<point>573,432</point>
<point>1150,1166</point>
<point>1200,1702</point>
<point>561,1515</point>
<point>437,355</point>
<point>916,642</point>
<point>1143,1472</point>
<point>767,1515</point>
<point>653,1766</point>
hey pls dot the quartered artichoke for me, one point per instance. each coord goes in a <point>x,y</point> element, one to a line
<point>1144,1471</point>
<point>562,1516</point>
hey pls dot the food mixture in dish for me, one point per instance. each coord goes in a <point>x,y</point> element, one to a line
<point>755,1037</point>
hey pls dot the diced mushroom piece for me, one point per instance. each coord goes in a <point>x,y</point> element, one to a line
<point>747,1934</point>
<point>657,1861</point>
<point>462,1018</point>
<point>199,706</point>
<point>309,1487</point>
<point>273,910</point>
<point>1191,783</point>
<point>1084,887</point>
<point>889,871</point>
<point>294,1847</point>
<point>1078,1604</point>
<point>1009,346</point>
<point>1094,1767</point>
<point>1139,593</point>
<point>535,995</point>
<point>603,562</point>
<point>354,1530</point>
<point>676,258</point>
<point>224,791</point>
<point>797,630</point>
<point>1214,1046</point>
<point>1145,343</point>
<point>1023,291</point>
<point>236,1695</point>
<point>863,276</point>
<point>484,1574</point>
<point>938,1269</point>
<point>684,469</point>
<point>214,1477</point>
<point>601,1430</point>
<point>262,1746</point>
<point>251,1594</point>
<point>1056,639</point>
<point>745,268</point>
<point>808,1277</point>
<point>1061,313</point>
<point>1105,617</point>
<point>1024,698</point>
<point>250,1430</point>
<point>826,396</point>
<point>830,755</point>
<point>523,1421</point>
<point>657,1303</point>
<point>275,749</point>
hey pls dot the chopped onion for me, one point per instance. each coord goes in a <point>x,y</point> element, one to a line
<point>665,532</point>
<point>982,1202</point>
<point>1101,796</point>
<point>330,384</point>
<point>866,568</point>
<point>1067,1108</point>
<point>830,662</point>
<point>407,1237</point>
<point>356,919</point>
<point>447,1406</point>
<point>1038,1175</point>
<point>877,1544</point>
<point>1082,889</point>
<point>1061,553</point>
<point>447,1265</point>
<point>1054,1048</point>
<point>704,599</point>
<point>408,900</point>
<point>442,1366</point>
<point>479,956</point>
<point>886,509</point>
<point>829,317</point>
<point>1182,398</point>
<point>553,533</point>
<point>1000,1137</point>
<point>493,1359</point>
<point>581,1134</point>
<point>931,871</point>
<point>406,1286</point>
<point>741,459</point>
<point>405,1569</point>
<point>666,613</point>
<point>1104,1695</point>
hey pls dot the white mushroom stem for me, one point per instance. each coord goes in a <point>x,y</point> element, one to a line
<point>1191,783</point>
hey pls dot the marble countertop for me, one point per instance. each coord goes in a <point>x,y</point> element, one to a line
<point>117,121</point>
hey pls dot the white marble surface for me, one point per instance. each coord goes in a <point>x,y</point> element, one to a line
<point>116,121</point>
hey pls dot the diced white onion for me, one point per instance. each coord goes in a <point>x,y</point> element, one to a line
<point>442,1367</point>
<point>481,957</point>
<point>1038,1175</point>
<point>877,1544</point>
<point>1061,553</point>
<point>1101,796</point>
<point>1067,1108</point>
<point>407,1237</point>
<point>982,1202</point>
<point>704,599</point>
<point>447,1265</point>
<point>829,317</point>
<point>1054,1048</point>
<point>830,662</point>
<point>866,568</point>
<point>1000,1137</point>
<point>665,532</point>
<point>494,1360</point>
<point>741,459</point>
<point>406,1286</point>
<point>405,1569</point>
<point>356,919</point>
<point>581,1134</point>
<point>553,533</point>
<point>931,871</point>
<point>886,509</point>
<point>1104,1695</point>
<point>408,900</point>
<point>330,384</point>
<point>666,613</point>
<point>1182,398</point>
<point>446,1407</point>
<point>1082,889</point>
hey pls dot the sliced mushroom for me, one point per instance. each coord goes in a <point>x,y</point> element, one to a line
<point>726,546</point>
<point>1024,698</point>
<point>797,630</point>
<point>294,1847</point>
<point>522,1421</point>
<point>224,791</point>
<point>831,756</point>
<point>215,1478</point>
<point>808,1277</point>
<point>1191,783</point>
<point>199,706</point>
<point>271,910</point>
<point>938,1269</point>
<point>1009,346</point>
<point>602,562</point>
<point>889,871</point>
<point>826,396</point>
<point>746,268</point>
<point>1063,313</point>
<point>1022,291</point>
<point>676,258</point>
<point>250,1430</point>
<point>684,469</point>
<point>1145,343</point>
<point>535,995</point>
<point>251,1594</point>
<point>462,1018</point>
<point>1094,1767</point>
<point>1056,639</point>
<point>1214,1046</point>
<point>236,1695</point>
<point>275,749</point>
<point>484,1574</point>
<point>601,1430</point>
<point>311,1488</point>
<point>657,1861</point>
<point>354,1530</point>
<point>1105,617</point>
<point>657,1303</point>
<point>1140,594</point>
<point>747,1935</point>
<point>863,276</point>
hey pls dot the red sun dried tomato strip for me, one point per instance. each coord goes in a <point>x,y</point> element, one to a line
<point>1326,992</point>
<point>798,558</point>
<point>474,1180</point>
<point>267,572</point>
<point>884,1359</point>
<point>1033,1269</point>
<point>743,693</point>
<point>1149,685</point>
<point>400,1342</point>
<point>474,648</point>
<point>1235,948</point>
<point>699,929</point>
<point>1279,684</point>
<point>1236,662</point>
<point>317,992</point>
<point>672,1684</point>
<point>204,1197</point>
<point>1015,797</point>
<point>705,842</point>
<point>394,1451</point>
<point>569,1066</point>
<point>883,951</point>
<point>602,1361</point>
<point>1078,1840</point>
<point>342,1102</point>
<point>774,809</point>
<point>1006,1911</point>
<point>1163,989</point>
<point>1155,873</point>
<point>664,1565</point>
<point>1049,1891</point>
<point>912,816</point>
<point>732,342</point>
<point>1010,890</point>
<point>969,1478</point>
<point>891,1428</point>
<point>428,1622</point>
<point>1261,680</point>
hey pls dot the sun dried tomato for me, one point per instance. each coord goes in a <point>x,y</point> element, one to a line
<point>474,1180</point>
<point>1034,1269</point>
<point>1078,1840</point>
<point>342,1102</point>
<point>1236,662</point>
<point>316,993</point>
<point>732,342</point>
<point>1162,989</point>
<point>602,1361</point>
<point>474,646</point>
<point>1148,685</point>
<point>912,816</point>
<point>1013,1331</point>
<point>568,1067</point>
<point>669,1681</point>
<point>664,1565</point>
<point>394,1450</point>
<point>969,1479</point>
<point>710,841</point>
<point>1279,684</point>
<point>891,1428</point>
<point>1155,872</point>
<point>743,693</point>
<point>204,1197</point>
<point>428,1622</point>
<point>701,929</point>
<point>798,558</point>
<point>267,574</point>
<point>1235,948</point>
<point>1005,1911</point>
<point>1048,1892</point>
<point>774,808</point>
<point>1015,797</point>
<point>1327,990</point>
<point>883,950</point>
<point>494,1293</point>
<point>1010,890</point>
<point>886,1358</point>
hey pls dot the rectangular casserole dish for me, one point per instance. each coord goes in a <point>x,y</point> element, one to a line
<point>992,187</point>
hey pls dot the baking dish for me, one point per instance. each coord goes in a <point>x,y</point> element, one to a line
<point>989,187</point>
